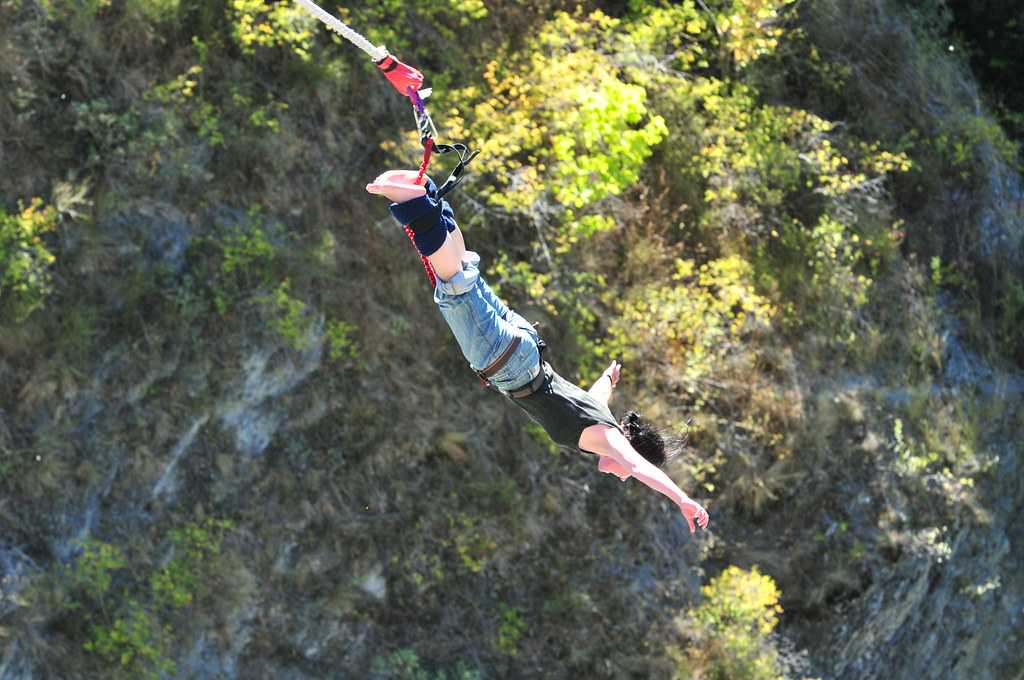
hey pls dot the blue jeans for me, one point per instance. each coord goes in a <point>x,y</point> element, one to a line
<point>484,326</point>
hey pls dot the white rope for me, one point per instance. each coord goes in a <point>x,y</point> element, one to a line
<point>376,53</point>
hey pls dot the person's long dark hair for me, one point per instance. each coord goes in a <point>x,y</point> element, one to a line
<point>655,445</point>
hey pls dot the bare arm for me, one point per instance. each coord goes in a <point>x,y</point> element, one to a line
<point>608,441</point>
<point>603,386</point>
<point>641,469</point>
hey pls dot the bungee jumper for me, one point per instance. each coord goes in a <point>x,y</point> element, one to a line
<point>408,81</point>
<point>502,347</point>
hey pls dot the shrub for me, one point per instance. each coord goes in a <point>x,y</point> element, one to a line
<point>177,583</point>
<point>25,258</point>
<point>289,317</point>
<point>404,664</point>
<point>730,630</point>
<point>134,642</point>
<point>343,346</point>
<point>510,630</point>
<point>692,321</point>
<point>558,119</point>
<point>129,613</point>
<point>282,25</point>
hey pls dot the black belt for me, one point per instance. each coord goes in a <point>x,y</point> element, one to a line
<point>532,386</point>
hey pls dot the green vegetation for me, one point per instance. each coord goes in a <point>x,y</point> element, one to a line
<point>128,620</point>
<point>730,632</point>
<point>262,24</point>
<point>404,664</point>
<point>25,261</point>
<point>511,628</point>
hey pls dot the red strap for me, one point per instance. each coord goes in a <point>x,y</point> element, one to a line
<point>428,148</point>
<point>427,267</point>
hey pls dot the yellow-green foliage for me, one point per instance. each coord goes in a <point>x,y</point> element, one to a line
<point>692,321</point>
<point>936,449</point>
<point>212,115</point>
<point>473,542</point>
<point>91,572</point>
<point>404,664</point>
<point>759,153</point>
<point>243,249</point>
<point>343,345</point>
<point>777,182</point>
<point>726,34</point>
<point>176,583</point>
<point>557,118</point>
<point>399,24</point>
<point>681,29</point>
<point>134,644</point>
<point>762,166</point>
<point>787,190</point>
<point>468,10</point>
<point>259,23</point>
<point>202,115</point>
<point>25,259</point>
<point>510,629</point>
<point>131,630</point>
<point>740,599</point>
<point>130,639</point>
<point>729,631</point>
<point>293,322</point>
<point>749,29</point>
<point>967,135</point>
<point>246,263</point>
<point>289,317</point>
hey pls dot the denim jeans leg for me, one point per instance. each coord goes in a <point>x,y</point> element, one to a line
<point>507,313</point>
<point>477,318</point>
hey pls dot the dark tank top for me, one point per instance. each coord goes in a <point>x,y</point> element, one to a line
<point>564,409</point>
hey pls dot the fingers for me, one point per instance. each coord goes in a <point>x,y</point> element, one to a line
<point>700,515</point>
<point>396,192</point>
<point>401,181</point>
<point>398,177</point>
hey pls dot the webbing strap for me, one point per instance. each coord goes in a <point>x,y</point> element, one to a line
<point>465,156</point>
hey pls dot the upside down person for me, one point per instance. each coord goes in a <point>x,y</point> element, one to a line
<point>502,347</point>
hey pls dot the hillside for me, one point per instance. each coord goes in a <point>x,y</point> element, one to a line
<point>238,441</point>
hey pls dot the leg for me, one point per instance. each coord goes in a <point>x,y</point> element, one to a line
<point>484,326</point>
<point>506,313</point>
<point>450,259</point>
<point>456,235</point>
<point>432,222</point>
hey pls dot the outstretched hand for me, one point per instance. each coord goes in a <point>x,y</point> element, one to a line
<point>397,185</point>
<point>694,513</point>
